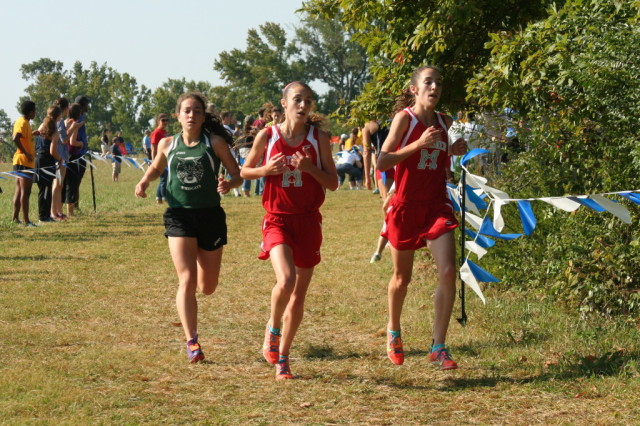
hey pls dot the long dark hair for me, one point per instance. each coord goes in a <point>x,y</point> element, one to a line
<point>406,98</point>
<point>212,123</point>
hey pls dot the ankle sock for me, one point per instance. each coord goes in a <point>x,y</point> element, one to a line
<point>394,334</point>
<point>275,331</point>
<point>437,347</point>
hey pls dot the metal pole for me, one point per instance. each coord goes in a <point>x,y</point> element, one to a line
<point>463,195</point>
<point>93,188</point>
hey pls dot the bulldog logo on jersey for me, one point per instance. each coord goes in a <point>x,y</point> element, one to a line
<point>189,170</point>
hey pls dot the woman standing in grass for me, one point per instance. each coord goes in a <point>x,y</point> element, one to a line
<point>298,167</point>
<point>195,222</point>
<point>23,161</point>
<point>420,213</point>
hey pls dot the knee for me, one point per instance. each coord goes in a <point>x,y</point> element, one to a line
<point>448,275</point>
<point>400,281</point>
<point>286,284</point>
<point>187,284</point>
<point>208,287</point>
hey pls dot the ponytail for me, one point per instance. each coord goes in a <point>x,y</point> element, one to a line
<point>213,126</point>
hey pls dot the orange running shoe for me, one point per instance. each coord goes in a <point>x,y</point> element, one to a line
<point>394,349</point>
<point>283,372</point>
<point>442,358</point>
<point>271,346</point>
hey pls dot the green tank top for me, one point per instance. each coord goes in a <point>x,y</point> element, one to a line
<point>192,179</point>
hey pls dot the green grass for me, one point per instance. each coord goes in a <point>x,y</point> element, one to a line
<point>86,332</point>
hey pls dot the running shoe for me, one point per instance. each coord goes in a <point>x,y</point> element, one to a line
<point>283,372</point>
<point>394,349</point>
<point>194,352</point>
<point>47,220</point>
<point>442,358</point>
<point>271,346</point>
<point>376,191</point>
<point>375,258</point>
<point>30,225</point>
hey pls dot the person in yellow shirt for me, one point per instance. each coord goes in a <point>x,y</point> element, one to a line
<point>354,139</point>
<point>23,160</point>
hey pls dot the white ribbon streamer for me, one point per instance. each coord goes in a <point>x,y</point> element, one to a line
<point>467,276</point>
<point>616,209</point>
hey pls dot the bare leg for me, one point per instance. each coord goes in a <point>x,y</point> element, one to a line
<point>294,312</point>
<point>184,255</point>
<point>282,261</point>
<point>443,250</point>
<point>17,196</point>
<point>402,270</point>
<point>24,198</point>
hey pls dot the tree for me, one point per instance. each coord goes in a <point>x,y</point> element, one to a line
<point>116,98</point>
<point>258,74</point>
<point>400,35</point>
<point>48,81</point>
<point>163,100</point>
<point>574,78</point>
<point>7,148</point>
<point>334,59</point>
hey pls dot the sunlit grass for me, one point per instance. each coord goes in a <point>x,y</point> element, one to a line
<point>87,334</point>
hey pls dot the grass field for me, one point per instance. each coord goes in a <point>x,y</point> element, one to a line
<point>87,332</point>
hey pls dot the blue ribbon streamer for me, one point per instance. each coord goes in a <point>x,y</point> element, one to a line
<point>487,229</point>
<point>482,241</point>
<point>527,217</point>
<point>471,154</point>
<point>635,198</point>
<point>475,199</point>
<point>480,274</point>
<point>589,203</point>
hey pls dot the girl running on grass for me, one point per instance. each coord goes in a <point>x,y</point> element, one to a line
<point>195,222</point>
<point>295,158</point>
<point>420,213</point>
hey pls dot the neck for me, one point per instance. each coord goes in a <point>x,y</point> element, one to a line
<point>191,136</point>
<point>426,113</point>
<point>292,128</point>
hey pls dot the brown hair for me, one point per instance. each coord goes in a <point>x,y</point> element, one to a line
<point>406,98</point>
<point>49,123</point>
<point>212,123</point>
<point>75,110</point>
<point>315,119</point>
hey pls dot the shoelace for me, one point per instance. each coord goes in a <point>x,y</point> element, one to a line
<point>283,368</point>
<point>396,345</point>
<point>443,355</point>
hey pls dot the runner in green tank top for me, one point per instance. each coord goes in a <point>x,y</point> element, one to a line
<point>191,182</point>
<point>195,223</point>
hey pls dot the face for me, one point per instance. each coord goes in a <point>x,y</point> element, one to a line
<point>276,116</point>
<point>428,88</point>
<point>191,114</point>
<point>298,103</point>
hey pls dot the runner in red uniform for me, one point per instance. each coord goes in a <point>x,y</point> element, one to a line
<point>420,213</point>
<point>295,158</point>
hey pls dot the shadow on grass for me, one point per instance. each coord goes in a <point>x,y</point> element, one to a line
<point>610,364</point>
<point>315,352</point>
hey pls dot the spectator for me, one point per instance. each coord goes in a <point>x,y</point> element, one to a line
<point>349,163</point>
<point>46,158</point>
<point>157,135</point>
<point>146,144</point>
<point>23,161</point>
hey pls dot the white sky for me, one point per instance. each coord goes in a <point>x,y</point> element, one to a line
<point>152,40</point>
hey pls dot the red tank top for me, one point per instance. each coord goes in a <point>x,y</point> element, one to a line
<point>293,192</point>
<point>423,176</point>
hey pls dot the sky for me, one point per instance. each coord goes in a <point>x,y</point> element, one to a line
<point>152,40</point>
